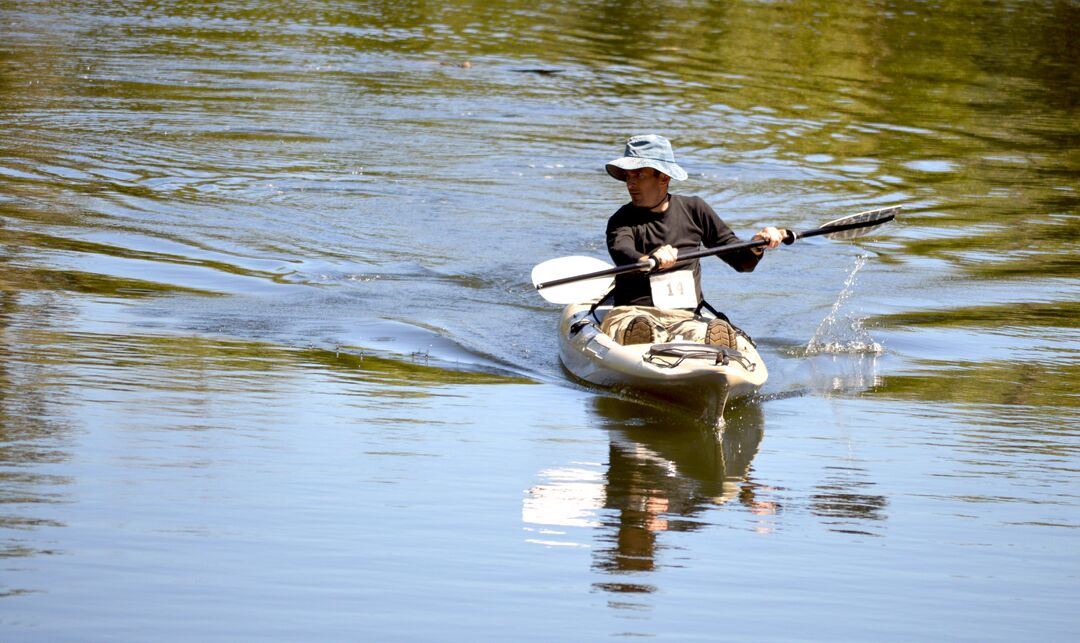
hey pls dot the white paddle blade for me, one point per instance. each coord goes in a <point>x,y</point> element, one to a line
<point>577,291</point>
<point>871,218</point>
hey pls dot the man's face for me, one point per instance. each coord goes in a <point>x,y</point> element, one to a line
<point>646,186</point>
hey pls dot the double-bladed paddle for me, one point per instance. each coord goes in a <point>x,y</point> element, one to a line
<point>571,280</point>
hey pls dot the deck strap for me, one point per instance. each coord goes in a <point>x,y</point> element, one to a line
<point>671,355</point>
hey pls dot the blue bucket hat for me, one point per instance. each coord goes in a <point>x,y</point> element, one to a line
<point>649,150</point>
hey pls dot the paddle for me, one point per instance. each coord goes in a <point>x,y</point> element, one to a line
<point>570,280</point>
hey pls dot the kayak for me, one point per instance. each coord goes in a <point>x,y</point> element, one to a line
<point>700,376</point>
<point>707,376</point>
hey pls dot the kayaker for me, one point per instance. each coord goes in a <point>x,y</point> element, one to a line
<point>661,306</point>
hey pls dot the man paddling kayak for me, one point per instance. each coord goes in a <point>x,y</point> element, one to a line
<point>662,306</point>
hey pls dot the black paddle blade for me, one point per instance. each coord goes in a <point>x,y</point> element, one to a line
<point>858,225</point>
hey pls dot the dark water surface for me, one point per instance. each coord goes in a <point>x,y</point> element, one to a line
<point>271,366</point>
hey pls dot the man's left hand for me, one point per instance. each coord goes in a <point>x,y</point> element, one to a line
<point>665,256</point>
<point>772,235</point>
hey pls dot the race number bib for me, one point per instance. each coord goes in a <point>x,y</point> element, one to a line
<point>674,289</point>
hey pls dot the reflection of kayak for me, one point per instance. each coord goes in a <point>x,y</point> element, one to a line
<point>702,376</point>
<point>668,452</point>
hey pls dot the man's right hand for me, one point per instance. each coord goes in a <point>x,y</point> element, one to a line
<point>665,256</point>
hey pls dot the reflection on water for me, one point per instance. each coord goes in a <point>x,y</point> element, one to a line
<point>163,392</point>
<point>845,503</point>
<point>664,473</point>
<point>34,437</point>
<point>667,473</point>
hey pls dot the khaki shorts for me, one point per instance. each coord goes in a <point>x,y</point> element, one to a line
<point>671,325</point>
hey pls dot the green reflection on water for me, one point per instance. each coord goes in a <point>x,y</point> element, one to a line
<point>27,240</point>
<point>177,362</point>
<point>1049,386</point>
<point>415,372</point>
<point>1063,314</point>
<point>23,279</point>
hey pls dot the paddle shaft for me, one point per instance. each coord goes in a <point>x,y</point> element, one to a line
<point>650,264</point>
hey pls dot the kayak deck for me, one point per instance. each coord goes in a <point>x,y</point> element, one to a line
<point>699,375</point>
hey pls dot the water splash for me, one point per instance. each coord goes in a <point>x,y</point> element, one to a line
<point>843,334</point>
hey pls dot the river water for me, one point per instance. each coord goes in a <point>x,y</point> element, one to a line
<point>272,366</point>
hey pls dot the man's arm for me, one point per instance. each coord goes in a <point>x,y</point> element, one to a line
<point>622,243</point>
<point>717,233</point>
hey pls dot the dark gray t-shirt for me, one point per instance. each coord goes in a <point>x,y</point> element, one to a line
<point>688,224</point>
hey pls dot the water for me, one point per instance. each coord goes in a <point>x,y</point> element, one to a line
<point>272,366</point>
